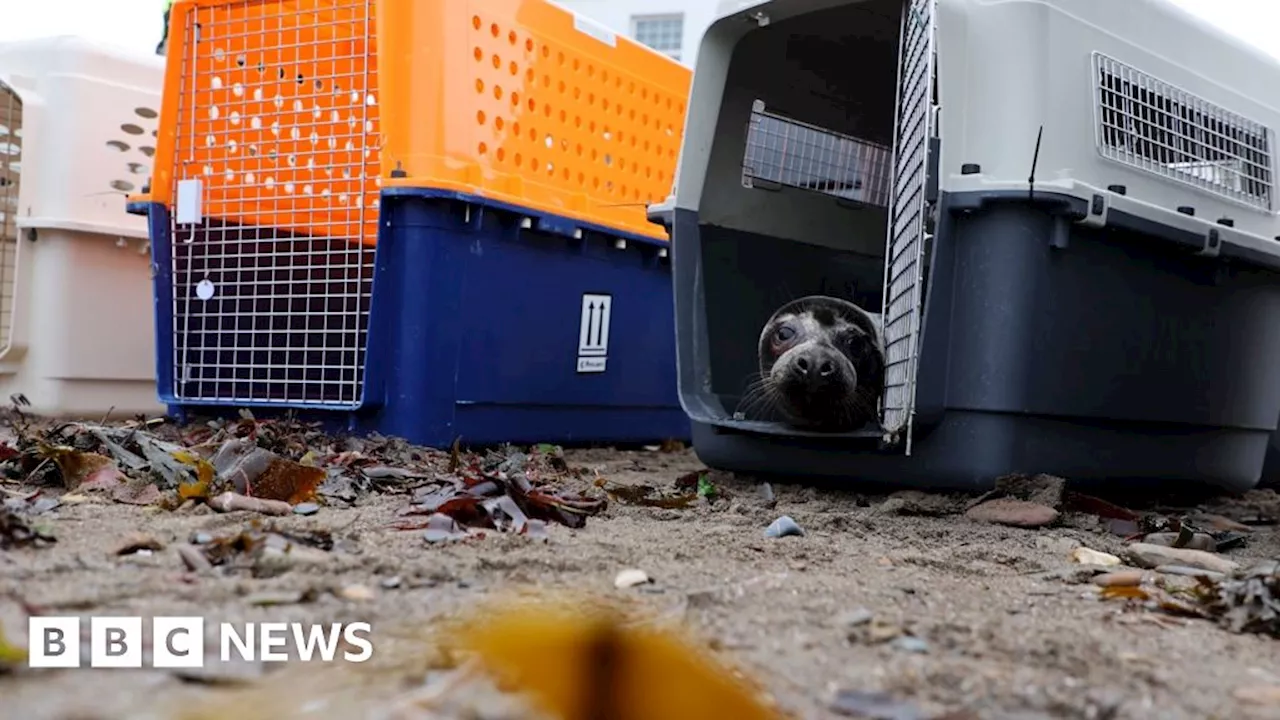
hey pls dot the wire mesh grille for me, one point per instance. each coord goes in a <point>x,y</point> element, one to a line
<point>1152,125</point>
<point>10,175</point>
<point>786,152</point>
<point>906,233</point>
<point>278,119</point>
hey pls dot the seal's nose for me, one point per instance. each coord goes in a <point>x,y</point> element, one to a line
<point>814,364</point>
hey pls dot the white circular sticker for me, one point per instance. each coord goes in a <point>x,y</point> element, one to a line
<point>204,289</point>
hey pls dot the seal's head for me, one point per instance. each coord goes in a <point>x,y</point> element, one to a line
<point>822,364</point>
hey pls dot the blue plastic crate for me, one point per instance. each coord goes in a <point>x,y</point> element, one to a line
<point>485,324</point>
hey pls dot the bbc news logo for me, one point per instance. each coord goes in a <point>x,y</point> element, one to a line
<point>179,642</point>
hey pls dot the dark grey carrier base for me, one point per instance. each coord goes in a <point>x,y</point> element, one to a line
<point>1047,346</point>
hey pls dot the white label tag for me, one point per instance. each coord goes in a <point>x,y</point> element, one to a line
<point>593,332</point>
<point>189,202</point>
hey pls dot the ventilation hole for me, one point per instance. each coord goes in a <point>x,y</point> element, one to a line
<point>240,61</point>
<point>582,179</point>
<point>255,122</point>
<point>497,92</point>
<point>232,146</point>
<point>262,67</point>
<point>519,159</point>
<point>560,87</point>
<point>308,190</point>
<point>210,141</point>
<point>515,129</point>
<point>595,183</point>
<point>513,69</point>
<point>137,168</point>
<point>479,85</point>
<point>529,75</point>
<point>498,123</point>
<point>288,188</point>
<point>269,183</point>
<point>355,98</point>
<point>300,78</point>
<point>257,94</point>
<point>579,149</point>
<point>370,100</point>
<point>528,45</point>
<point>608,160</point>
<point>576,65</point>
<point>482,149</point>
<point>147,150</point>
<point>604,103</point>
<point>493,30</point>
<point>253,151</point>
<point>118,145</point>
<point>515,98</point>
<point>475,21</point>
<point>560,58</point>
<point>478,54</point>
<point>497,62</point>
<point>219,55</point>
<point>230,177</point>
<point>501,154</point>
<point>208,170</point>
<point>319,86</point>
<point>122,185</point>
<point>249,178</point>
<point>532,105</point>
<point>237,90</point>
<point>550,142</point>
<point>480,117</point>
<point>146,112</point>
<point>132,129</point>
<point>216,82</point>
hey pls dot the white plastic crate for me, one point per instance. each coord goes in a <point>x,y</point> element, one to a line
<point>77,133</point>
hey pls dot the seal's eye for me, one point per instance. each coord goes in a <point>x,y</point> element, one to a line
<point>785,333</point>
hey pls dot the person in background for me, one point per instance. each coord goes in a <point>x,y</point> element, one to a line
<point>164,36</point>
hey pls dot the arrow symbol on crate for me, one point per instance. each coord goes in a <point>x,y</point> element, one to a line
<point>599,323</point>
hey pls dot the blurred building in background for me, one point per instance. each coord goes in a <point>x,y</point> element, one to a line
<point>672,27</point>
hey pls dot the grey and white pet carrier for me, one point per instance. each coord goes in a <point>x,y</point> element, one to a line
<point>1064,209</point>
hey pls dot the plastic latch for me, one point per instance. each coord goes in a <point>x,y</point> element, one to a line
<point>1099,209</point>
<point>662,213</point>
<point>1212,244</point>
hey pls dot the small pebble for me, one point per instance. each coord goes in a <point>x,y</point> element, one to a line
<point>1151,556</point>
<point>391,583</point>
<point>1119,578</point>
<point>1198,541</point>
<point>782,527</point>
<point>1017,513</point>
<point>306,508</point>
<point>201,538</point>
<point>1185,571</point>
<point>907,643</point>
<point>357,593</point>
<point>767,496</point>
<point>1086,556</point>
<point>861,616</point>
<point>631,577</point>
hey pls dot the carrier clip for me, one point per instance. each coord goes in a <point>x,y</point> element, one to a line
<point>1099,208</point>
<point>1212,244</point>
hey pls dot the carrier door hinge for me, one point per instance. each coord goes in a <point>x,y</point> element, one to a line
<point>931,172</point>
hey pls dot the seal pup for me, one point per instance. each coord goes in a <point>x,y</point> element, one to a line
<point>822,365</point>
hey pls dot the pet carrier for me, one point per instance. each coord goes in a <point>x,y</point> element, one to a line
<point>77,132</point>
<point>450,243</point>
<point>1065,212</point>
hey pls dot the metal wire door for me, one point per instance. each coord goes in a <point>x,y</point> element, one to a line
<point>10,177</point>
<point>904,257</point>
<point>277,123</point>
